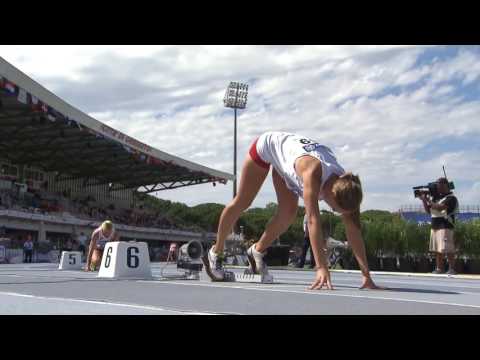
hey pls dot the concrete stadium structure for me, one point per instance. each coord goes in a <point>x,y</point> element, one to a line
<point>50,146</point>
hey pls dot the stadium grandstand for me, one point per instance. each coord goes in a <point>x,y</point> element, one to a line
<point>62,172</point>
<point>416,213</point>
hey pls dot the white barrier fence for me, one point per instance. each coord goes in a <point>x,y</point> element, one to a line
<point>16,256</point>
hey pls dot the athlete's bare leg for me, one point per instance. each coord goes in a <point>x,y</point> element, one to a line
<point>96,259</point>
<point>251,181</point>
<point>283,218</point>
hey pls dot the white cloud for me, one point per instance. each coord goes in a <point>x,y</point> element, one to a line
<point>171,97</point>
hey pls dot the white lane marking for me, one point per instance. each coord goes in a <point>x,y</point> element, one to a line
<point>417,279</point>
<point>394,273</point>
<point>142,307</point>
<point>349,286</point>
<point>66,274</point>
<point>432,284</point>
<point>313,292</point>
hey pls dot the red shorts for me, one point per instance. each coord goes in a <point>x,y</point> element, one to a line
<point>255,157</point>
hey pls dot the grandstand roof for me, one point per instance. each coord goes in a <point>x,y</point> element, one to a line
<point>37,128</point>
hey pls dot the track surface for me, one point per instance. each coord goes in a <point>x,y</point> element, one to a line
<point>42,289</point>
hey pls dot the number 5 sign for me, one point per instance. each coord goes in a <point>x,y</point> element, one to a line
<point>125,260</point>
<point>71,260</point>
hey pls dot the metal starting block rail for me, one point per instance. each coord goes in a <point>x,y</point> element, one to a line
<point>248,277</point>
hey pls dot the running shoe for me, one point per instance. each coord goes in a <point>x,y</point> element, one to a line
<point>214,265</point>
<point>255,258</point>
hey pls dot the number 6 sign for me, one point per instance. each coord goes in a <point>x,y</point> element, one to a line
<point>125,260</point>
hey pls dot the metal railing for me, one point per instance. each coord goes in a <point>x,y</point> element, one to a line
<point>69,219</point>
<point>475,209</point>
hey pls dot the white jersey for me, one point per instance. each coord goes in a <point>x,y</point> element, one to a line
<point>281,149</point>
<point>102,239</point>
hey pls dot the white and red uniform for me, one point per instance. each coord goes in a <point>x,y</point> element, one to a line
<point>281,149</point>
<point>102,239</point>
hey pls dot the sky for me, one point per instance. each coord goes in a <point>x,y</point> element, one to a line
<point>392,114</point>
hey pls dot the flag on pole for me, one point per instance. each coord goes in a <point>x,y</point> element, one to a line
<point>53,115</point>
<point>127,149</point>
<point>10,87</point>
<point>36,104</point>
<point>22,96</point>
<point>155,161</point>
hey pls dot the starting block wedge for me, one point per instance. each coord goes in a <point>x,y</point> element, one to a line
<point>248,277</point>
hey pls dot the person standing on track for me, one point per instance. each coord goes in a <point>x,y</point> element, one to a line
<point>443,212</point>
<point>28,249</point>
<point>100,236</point>
<point>82,240</point>
<point>301,168</point>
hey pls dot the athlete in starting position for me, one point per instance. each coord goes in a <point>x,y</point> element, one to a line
<point>301,168</point>
<point>100,236</point>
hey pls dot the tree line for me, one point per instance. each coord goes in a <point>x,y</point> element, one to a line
<point>385,233</point>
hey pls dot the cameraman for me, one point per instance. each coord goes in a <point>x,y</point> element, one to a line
<point>442,211</point>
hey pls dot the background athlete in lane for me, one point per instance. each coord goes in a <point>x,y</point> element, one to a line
<point>100,236</point>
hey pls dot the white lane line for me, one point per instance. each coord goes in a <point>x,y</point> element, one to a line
<point>417,275</point>
<point>418,280</point>
<point>349,286</point>
<point>63,275</point>
<point>386,281</point>
<point>142,307</point>
<point>313,292</point>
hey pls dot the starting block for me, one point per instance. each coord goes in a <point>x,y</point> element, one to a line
<point>125,260</point>
<point>248,277</point>
<point>71,260</point>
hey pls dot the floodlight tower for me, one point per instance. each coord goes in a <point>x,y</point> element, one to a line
<point>235,98</point>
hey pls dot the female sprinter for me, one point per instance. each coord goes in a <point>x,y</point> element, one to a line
<point>100,237</point>
<point>301,168</point>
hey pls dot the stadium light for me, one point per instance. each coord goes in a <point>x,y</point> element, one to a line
<point>235,98</point>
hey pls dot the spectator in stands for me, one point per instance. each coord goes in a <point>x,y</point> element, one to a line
<point>28,249</point>
<point>68,244</point>
<point>7,199</point>
<point>306,246</point>
<point>172,253</point>
<point>443,212</point>
<point>74,245</point>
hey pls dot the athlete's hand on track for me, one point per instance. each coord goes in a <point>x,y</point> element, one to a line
<point>369,284</point>
<point>322,278</point>
<point>86,268</point>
